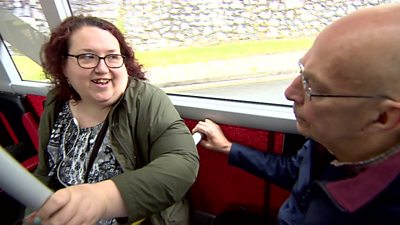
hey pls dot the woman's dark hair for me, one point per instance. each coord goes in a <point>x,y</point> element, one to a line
<point>54,53</point>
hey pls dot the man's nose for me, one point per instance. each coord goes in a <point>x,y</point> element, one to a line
<point>295,91</point>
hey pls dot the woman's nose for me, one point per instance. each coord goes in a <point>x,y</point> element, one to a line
<point>101,66</point>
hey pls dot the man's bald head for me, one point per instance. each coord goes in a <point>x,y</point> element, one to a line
<point>363,48</point>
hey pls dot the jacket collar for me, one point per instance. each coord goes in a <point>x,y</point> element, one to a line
<point>367,184</point>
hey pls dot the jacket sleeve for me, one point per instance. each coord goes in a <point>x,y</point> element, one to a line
<point>42,170</point>
<point>172,158</point>
<point>276,168</point>
<point>45,125</point>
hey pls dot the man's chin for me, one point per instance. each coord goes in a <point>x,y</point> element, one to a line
<point>302,129</point>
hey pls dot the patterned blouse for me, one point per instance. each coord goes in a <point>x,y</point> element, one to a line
<point>70,148</point>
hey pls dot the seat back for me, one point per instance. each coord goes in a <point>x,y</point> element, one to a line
<point>8,136</point>
<point>13,107</point>
<point>9,140</point>
<point>221,188</point>
<point>32,127</point>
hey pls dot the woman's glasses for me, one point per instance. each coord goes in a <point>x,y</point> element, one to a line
<point>90,60</point>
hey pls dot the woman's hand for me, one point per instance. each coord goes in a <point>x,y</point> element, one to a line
<point>81,204</point>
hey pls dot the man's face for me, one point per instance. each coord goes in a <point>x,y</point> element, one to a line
<point>357,55</point>
<point>326,72</point>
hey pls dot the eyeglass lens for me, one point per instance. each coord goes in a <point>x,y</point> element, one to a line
<point>92,60</point>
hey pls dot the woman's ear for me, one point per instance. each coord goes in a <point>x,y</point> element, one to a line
<point>387,118</point>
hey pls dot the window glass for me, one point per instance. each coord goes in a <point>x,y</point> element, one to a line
<point>230,49</point>
<point>23,29</point>
<point>27,68</point>
<point>244,50</point>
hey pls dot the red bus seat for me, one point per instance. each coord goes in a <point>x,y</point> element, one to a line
<point>31,126</point>
<point>221,188</point>
<point>30,163</point>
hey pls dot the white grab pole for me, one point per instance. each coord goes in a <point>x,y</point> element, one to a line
<point>197,137</point>
<point>19,183</point>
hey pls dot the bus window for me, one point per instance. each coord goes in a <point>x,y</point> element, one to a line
<point>23,29</point>
<point>233,49</point>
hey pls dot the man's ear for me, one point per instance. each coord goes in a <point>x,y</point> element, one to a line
<point>387,118</point>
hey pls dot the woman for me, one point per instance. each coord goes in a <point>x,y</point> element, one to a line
<point>112,146</point>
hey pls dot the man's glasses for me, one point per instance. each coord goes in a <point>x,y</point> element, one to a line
<point>90,60</point>
<point>310,94</point>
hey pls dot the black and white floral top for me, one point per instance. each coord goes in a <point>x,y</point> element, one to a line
<point>70,148</point>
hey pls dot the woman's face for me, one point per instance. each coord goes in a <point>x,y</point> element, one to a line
<point>100,85</point>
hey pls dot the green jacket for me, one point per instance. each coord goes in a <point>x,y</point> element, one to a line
<point>153,146</point>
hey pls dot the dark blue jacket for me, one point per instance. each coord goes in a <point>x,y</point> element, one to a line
<point>323,194</point>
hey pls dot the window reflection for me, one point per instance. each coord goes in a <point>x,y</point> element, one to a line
<point>27,68</point>
<point>23,28</point>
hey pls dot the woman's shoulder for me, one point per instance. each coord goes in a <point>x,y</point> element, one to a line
<point>140,96</point>
<point>143,87</point>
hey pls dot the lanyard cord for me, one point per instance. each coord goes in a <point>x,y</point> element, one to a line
<point>96,147</point>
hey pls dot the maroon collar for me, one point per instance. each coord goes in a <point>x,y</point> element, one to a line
<point>353,193</point>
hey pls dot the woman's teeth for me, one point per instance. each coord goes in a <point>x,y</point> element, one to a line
<point>101,81</point>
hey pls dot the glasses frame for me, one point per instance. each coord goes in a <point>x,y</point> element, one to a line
<point>310,94</point>
<point>98,60</point>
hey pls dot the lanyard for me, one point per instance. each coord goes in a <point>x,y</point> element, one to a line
<point>96,147</point>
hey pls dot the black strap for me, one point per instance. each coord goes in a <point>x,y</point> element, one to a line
<point>96,147</point>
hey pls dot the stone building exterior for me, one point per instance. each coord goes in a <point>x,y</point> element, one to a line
<point>158,24</point>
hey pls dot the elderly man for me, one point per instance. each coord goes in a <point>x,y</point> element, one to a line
<point>347,101</point>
